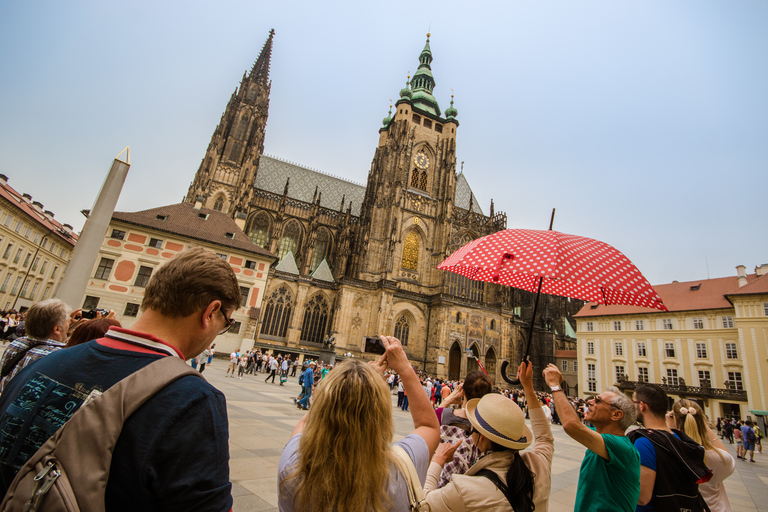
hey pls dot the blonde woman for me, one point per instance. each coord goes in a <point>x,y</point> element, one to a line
<point>688,417</point>
<point>339,456</point>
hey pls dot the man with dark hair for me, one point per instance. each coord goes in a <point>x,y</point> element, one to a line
<point>672,464</point>
<point>749,438</point>
<point>609,474</point>
<point>187,303</point>
<point>46,331</point>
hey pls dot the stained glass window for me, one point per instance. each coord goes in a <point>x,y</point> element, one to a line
<point>459,285</point>
<point>411,251</point>
<point>277,313</point>
<point>242,128</point>
<point>315,319</point>
<point>402,330</point>
<point>290,240</point>
<point>218,204</point>
<point>423,182</point>
<point>259,230</point>
<point>415,178</point>
<point>322,244</point>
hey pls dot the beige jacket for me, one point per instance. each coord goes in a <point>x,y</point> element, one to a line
<point>467,492</point>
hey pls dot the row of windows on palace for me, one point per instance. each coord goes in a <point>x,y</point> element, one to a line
<point>735,379</point>
<point>280,305</point>
<point>38,266</point>
<point>731,351</point>
<point>667,324</point>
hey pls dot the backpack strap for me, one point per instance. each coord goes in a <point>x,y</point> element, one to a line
<point>493,477</point>
<point>101,421</point>
<point>11,362</point>
<point>415,490</point>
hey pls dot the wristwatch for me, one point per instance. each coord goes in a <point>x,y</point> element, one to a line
<point>555,388</point>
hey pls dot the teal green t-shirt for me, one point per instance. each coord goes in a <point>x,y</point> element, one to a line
<point>609,485</point>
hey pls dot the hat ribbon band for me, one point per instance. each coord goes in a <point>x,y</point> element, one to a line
<point>495,432</point>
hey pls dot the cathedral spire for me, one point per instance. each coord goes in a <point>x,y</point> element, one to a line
<point>260,70</point>
<point>423,83</point>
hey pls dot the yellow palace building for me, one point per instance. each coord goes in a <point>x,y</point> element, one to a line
<point>711,346</point>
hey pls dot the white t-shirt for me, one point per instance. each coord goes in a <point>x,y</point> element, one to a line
<point>713,491</point>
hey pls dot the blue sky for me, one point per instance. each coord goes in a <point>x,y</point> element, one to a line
<point>644,123</point>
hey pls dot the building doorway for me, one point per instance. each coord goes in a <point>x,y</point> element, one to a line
<point>454,362</point>
<point>490,364</point>
<point>472,365</point>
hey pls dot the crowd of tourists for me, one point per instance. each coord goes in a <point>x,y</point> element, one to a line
<point>470,449</point>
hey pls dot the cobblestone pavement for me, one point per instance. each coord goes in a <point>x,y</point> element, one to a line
<point>262,416</point>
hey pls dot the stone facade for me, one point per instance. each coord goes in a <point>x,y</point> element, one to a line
<point>380,242</point>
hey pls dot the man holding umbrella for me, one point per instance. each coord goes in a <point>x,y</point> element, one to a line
<point>609,478</point>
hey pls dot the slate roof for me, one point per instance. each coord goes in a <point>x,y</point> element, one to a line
<point>32,213</point>
<point>184,219</point>
<point>273,173</point>
<point>463,193</point>
<point>679,297</point>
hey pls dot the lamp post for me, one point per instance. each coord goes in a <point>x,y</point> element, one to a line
<point>29,269</point>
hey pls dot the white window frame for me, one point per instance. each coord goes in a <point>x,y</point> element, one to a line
<point>666,324</point>
<point>565,365</point>
<point>591,378</point>
<point>673,379</point>
<point>590,348</point>
<point>590,326</point>
<point>618,348</point>
<point>728,322</point>
<point>669,346</point>
<point>575,366</point>
<point>701,350</point>
<point>642,374</point>
<point>737,380</point>
<point>705,375</point>
<point>642,351</point>
<point>698,323</point>
<point>639,325</point>
<point>731,350</point>
<point>617,325</point>
<point>620,370</point>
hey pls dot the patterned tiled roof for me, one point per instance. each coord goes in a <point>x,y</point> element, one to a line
<point>274,172</point>
<point>463,193</point>
<point>323,272</point>
<point>687,296</point>
<point>288,264</point>
<point>184,219</point>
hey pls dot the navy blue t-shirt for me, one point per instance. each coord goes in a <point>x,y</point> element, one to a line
<point>172,454</point>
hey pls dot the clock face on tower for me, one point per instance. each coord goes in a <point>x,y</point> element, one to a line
<point>421,160</point>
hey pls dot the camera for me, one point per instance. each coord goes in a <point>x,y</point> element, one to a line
<point>373,345</point>
<point>94,312</point>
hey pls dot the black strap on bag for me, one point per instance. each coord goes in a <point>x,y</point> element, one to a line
<point>493,477</point>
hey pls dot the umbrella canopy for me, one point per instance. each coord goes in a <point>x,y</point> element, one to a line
<point>562,264</point>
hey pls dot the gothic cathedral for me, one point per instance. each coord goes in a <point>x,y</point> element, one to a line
<point>356,261</point>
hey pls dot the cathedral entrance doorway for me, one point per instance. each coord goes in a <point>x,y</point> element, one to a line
<point>454,362</point>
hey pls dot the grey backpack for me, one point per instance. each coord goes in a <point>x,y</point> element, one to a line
<point>69,475</point>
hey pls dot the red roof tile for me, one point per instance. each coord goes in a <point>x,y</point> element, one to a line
<point>11,195</point>
<point>758,286</point>
<point>687,296</point>
<point>184,219</point>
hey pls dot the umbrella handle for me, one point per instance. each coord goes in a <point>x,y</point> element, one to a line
<point>504,365</point>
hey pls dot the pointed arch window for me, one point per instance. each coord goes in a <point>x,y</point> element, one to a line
<point>242,128</point>
<point>290,240</point>
<point>423,181</point>
<point>219,203</point>
<point>259,230</point>
<point>234,153</point>
<point>321,250</point>
<point>415,178</point>
<point>402,330</point>
<point>411,251</point>
<point>459,285</point>
<point>277,313</point>
<point>315,319</point>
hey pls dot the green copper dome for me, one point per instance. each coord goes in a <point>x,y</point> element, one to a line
<point>423,83</point>
<point>451,112</point>
<point>387,119</point>
<point>406,92</point>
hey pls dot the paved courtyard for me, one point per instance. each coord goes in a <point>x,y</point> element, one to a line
<point>262,416</point>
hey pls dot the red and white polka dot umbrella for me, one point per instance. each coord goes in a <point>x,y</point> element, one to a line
<point>566,265</point>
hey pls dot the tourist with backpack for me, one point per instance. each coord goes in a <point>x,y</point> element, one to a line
<point>146,462</point>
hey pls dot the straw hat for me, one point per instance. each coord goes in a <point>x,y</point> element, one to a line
<point>499,419</point>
